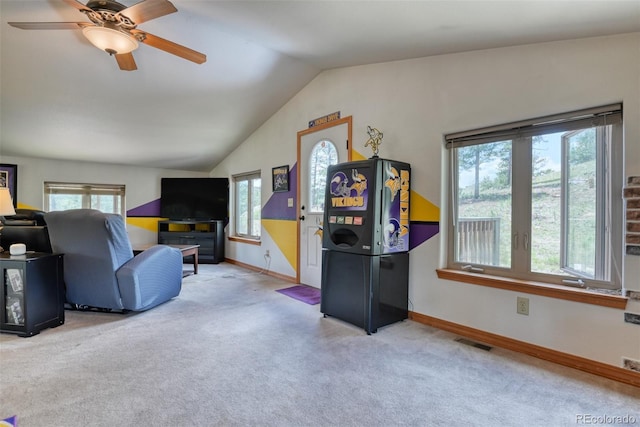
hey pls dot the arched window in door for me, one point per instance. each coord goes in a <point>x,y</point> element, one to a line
<point>323,155</point>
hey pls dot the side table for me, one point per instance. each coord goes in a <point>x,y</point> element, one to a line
<point>187,250</point>
<point>32,294</point>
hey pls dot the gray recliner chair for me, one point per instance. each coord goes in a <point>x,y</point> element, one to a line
<point>100,270</point>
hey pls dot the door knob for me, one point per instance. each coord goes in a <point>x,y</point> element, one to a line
<point>302,218</point>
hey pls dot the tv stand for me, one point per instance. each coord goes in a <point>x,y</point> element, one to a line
<point>209,234</point>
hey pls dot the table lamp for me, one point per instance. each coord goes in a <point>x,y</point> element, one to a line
<point>6,207</point>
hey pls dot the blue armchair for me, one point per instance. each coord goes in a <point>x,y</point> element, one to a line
<point>100,270</point>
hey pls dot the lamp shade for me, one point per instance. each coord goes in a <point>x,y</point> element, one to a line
<point>110,40</point>
<point>6,204</point>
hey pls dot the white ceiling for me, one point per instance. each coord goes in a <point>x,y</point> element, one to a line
<point>62,98</point>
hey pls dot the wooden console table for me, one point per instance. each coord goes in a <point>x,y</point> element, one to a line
<point>187,250</point>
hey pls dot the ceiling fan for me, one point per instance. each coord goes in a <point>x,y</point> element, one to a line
<point>113,28</point>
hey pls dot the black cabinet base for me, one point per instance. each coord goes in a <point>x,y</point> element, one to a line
<point>208,234</point>
<point>53,324</point>
<point>369,291</point>
<point>32,296</point>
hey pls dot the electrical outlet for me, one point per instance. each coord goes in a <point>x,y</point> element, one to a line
<point>522,306</point>
<point>267,254</point>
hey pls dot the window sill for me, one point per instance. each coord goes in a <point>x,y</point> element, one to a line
<point>535,288</point>
<point>245,240</point>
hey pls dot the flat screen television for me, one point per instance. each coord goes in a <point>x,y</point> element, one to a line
<point>194,198</point>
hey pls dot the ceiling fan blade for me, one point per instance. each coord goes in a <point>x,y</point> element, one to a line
<point>170,47</point>
<point>126,61</point>
<point>147,10</point>
<point>77,5</point>
<point>49,25</point>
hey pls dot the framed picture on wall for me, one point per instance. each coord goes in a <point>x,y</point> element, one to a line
<point>280,178</point>
<point>9,179</point>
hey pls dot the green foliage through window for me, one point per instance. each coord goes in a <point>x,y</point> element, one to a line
<point>537,205</point>
<point>248,205</point>
<point>323,155</point>
<point>108,198</point>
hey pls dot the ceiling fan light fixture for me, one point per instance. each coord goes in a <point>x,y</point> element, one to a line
<point>110,40</point>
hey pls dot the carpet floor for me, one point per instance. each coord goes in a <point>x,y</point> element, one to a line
<point>230,351</point>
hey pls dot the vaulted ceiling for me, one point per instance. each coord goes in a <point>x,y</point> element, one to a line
<point>62,98</point>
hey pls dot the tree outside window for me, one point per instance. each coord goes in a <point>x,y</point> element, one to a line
<point>323,155</point>
<point>107,198</point>
<point>248,207</point>
<point>538,204</point>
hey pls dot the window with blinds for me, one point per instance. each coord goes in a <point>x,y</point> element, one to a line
<point>108,198</point>
<point>540,199</point>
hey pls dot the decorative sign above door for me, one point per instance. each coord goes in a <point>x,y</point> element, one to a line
<point>324,119</point>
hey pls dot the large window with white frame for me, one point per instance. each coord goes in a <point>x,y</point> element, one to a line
<point>247,206</point>
<point>540,199</point>
<point>108,198</point>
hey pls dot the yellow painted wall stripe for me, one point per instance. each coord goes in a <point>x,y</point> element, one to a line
<point>148,223</point>
<point>421,209</point>
<point>283,233</point>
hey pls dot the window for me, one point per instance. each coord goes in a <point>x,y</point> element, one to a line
<point>323,155</point>
<point>535,200</point>
<point>60,196</point>
<point>248,196</point>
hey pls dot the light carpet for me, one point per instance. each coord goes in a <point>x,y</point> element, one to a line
<point>229,351</point>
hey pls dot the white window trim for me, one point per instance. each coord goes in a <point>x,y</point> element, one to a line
<point>237,178</point>
<point>611,114</point>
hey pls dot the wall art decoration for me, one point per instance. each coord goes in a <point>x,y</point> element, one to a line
<point>9,179</point>
<point>280,178</point>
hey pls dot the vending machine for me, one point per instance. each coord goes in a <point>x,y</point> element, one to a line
<point>365,241</point>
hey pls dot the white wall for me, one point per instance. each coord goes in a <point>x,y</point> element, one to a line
<point>415,103</point>
<point>142,184</point>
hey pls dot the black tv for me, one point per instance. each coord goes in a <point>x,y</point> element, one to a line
<point>194,198</point>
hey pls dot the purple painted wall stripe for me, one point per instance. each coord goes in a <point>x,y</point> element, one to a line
<point>420,232</point>
<point>276,207</point>
<point>151,209</point>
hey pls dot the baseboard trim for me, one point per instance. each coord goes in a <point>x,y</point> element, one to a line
<point>597,368</point>
<point>262,270</point>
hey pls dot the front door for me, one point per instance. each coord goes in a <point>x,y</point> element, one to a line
<point>317,148</point>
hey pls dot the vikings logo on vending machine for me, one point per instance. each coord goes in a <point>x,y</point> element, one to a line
<point>368,207</point>
<point>345,195</point>
<point>396,229</point>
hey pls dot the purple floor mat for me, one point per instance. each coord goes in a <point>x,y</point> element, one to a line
<point>302,293</point>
